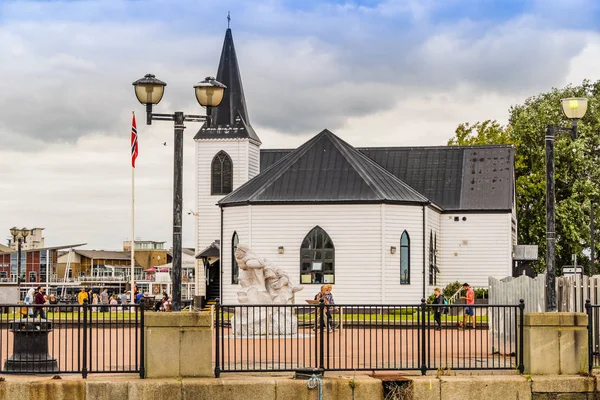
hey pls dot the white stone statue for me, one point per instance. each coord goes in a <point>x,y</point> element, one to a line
<point>263,284</point>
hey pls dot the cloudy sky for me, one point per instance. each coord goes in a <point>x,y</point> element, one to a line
<point>390,72</point>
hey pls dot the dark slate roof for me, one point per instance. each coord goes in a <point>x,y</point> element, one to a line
<point>211,251</point>
<point>230,119</point>
<point>324,170</point>
<point>454,177</point>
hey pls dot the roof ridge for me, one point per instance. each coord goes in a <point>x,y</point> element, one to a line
<point>345,147</point>
<point>283,164</point>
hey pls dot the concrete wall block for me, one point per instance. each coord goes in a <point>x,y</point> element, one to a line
<point>10,389</point>
<point>155,389</point>
<point>365,388</point>
<point>219,389</point>
<point>195,353</point>
<point>562,384</point>
<point>485,387</point>
<point>177,319</point>
<point>53,389</point>
<point>426,387</point>
<point>161,352</point>
<point>106,390</point>
<point>555,343</point>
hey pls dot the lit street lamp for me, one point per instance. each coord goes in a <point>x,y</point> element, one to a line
<point>19,236</point>
<point>574,109</point>
<point>209,93</point>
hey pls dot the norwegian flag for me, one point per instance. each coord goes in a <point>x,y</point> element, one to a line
<point>134,142</point>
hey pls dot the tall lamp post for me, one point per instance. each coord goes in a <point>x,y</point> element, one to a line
<point>19,236</point>
<point>209,93</point>
<point>574,109</point>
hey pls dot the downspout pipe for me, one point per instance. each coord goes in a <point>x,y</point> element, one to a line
<point>221,260</point>
<point>424,246</point>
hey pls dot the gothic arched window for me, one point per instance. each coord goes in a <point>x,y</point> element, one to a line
<point>235,269</point>
<point>221,174</point>
<point>317,257</point>
<point>405,258</point>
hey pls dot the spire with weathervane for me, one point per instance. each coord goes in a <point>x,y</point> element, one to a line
<point>230,119</point>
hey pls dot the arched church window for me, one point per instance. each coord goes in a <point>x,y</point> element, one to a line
<point>404,258</point>
<point>235,269</point>
<point>221,174</point>
<point>317,258</point>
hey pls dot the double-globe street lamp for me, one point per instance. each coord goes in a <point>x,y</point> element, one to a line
<point>209,93</point>
<point>574,109</point>
<point>19,236</point>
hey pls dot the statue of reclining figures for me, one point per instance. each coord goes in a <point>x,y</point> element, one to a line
<point>261,283</point>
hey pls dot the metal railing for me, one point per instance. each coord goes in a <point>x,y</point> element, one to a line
<point>251,338</point>
<point>83,339</point>
<point>593,313</point>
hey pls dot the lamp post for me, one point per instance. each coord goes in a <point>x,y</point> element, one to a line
<point>19,236</point>
<point>209,93</point>
<point>574,109</point>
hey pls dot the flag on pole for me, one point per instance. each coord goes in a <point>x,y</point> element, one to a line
<point>134,141</point>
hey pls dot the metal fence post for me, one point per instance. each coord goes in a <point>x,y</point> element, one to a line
<point>84,370</point>
<point>588,310</point>
<point>218,312</point>
<point>321,336</point>
<point>521,330</point>
<point>142,345</point>
<point>422,326</point>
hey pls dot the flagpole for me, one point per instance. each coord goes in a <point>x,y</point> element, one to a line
<point>132,285</point>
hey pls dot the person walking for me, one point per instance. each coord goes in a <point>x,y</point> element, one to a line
<point>104,300</point>
<point>95,301</point>
<point>469,309</point>
<point>29,300</point>
<point>124,298</point>
<point>82,296</point>
<point>331,309</point>
<point>437,311</point>
<point>39,301</point>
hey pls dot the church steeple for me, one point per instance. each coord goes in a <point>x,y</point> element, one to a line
<point>230,119</point>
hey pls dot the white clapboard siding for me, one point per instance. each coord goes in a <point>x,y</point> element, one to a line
<point>476,248</point>
<point>356,232</point>
<point>396,220</point>
<point>253,160</point>
<point>433,226</point>
<point>209,218</point>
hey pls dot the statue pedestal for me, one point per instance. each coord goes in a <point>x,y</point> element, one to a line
<point>30,347</point>
<point>267,320</point>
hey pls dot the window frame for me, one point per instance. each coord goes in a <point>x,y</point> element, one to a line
<point>235,277</point>
<point>317,257</point>
<point>407,247</point>
<point>218,172</point>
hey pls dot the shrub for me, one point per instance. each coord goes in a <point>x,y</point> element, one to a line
<point>481,293</point>
<point>451,288</point>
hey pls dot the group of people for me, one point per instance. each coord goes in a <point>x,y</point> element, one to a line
<point>327,297</point>
<point>469,312</point>
<point>102,301</point>
<point>39,298</point>
<point>164,304</point>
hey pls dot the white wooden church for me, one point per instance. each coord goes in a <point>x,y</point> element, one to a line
<point>381,224</point>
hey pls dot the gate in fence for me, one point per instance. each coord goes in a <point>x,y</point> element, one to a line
<point>54,339</point>
<point>251,338</point>
<point>593,312</point>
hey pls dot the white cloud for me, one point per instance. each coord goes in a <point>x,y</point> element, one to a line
<point>67,95</point>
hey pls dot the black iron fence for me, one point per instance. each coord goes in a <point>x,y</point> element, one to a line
<point>250,338</point>
<point>593,312</point>
<point>53,339</point>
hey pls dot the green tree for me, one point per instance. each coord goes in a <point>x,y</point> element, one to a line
<point>577,175</point>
